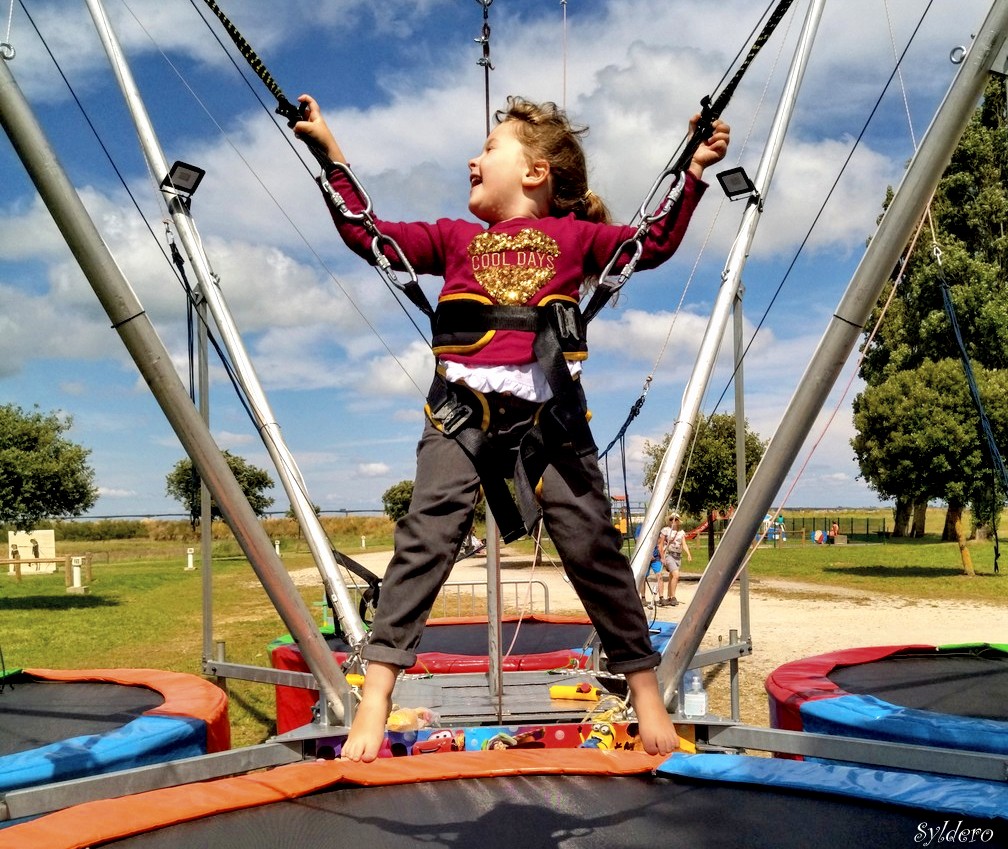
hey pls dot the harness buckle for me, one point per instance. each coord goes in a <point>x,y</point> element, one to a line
<point>452,415</point>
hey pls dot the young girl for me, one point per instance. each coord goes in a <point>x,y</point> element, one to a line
<point>671,545</point>
<point>546,234</point>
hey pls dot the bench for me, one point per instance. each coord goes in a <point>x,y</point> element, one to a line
<point>65,562</point>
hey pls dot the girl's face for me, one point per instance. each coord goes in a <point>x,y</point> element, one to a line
<point>496,176</point>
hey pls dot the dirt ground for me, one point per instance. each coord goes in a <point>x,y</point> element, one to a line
<point>788,621</point>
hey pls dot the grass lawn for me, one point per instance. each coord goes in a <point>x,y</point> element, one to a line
<point>144,610</point>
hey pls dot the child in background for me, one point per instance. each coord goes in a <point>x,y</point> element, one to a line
<point>546,233</point>
<point>671,545</point>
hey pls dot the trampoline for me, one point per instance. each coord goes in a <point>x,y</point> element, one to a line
<point>532,799</point>
<point>57,725</point>
<point>947,696</point>
<point>456,646</point>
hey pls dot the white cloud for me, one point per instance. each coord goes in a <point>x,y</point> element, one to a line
<point>406,373</point>
<point>229,439</point>
<point>107,492</point>
<point>297,295</point>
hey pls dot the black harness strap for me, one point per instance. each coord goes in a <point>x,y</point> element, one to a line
<point>457,412</point>
<point>561,422</point>
<point>569,408</point>
<point>369,597</point>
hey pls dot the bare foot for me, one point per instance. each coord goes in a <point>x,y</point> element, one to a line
<point>656,729</point>
<point>367,731</point>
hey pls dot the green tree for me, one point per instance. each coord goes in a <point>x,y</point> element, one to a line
<point>42,474</point>
<point>710,481</point>
<point>396,500</point>
<point>183,484</point>
<point>918,437</point>
<point>968,252</point>
<point>290,511</point>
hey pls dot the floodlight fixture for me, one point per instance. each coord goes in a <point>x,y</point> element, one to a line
<point>735,183</point>
<point>184,179</point>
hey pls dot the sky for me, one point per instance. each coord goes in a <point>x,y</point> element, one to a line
<point>341,362</point>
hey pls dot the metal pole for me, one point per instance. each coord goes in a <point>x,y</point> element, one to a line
<point>682,434</point>
<point>842,334</point>
<point>740,451</point>
<point>152,359</point>
<point>269,429</point>
<point>495,674</point>
<point>206,514</point>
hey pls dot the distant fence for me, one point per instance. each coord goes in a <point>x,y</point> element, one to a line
<point>855,528</point>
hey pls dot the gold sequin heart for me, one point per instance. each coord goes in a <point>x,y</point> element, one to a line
<point>513,268</point>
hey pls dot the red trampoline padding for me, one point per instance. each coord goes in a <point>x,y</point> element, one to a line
<point>792,684</point>
<point>294,704</point>
<point>184,695</point>
<point>110,819</point>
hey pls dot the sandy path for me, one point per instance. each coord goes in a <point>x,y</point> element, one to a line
<point>788,620</point>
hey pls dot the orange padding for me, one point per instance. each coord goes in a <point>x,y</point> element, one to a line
<point>92,823</point>
<point>185,695</point>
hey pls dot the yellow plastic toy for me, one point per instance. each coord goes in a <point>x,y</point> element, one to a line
<point>583,692</point>
<point>410,719</point>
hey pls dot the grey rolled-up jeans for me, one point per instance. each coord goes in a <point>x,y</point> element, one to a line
<point>577,518</point>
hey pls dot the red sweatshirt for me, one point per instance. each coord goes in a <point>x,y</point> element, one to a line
<point>519,261</point>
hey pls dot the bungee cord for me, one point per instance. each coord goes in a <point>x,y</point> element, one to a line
<point>711,109</point>
<point>7,50</point>
<point>394,289</point>
<point>637,406</point>
<point>393,353</point>
<point>716,103</point>
<point>822,207</point>
<point>285,108</point>
<point>484,60</point>
<point>896,72</point>
<point>176,262</point>
<point>925,219</point>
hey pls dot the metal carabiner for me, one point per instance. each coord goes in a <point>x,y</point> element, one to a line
<point>637,246</point>
<point>337,198</point>
<point>670,200</point>
<point>383,262</point>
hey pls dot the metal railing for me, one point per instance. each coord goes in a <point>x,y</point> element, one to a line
<point>468,598</point>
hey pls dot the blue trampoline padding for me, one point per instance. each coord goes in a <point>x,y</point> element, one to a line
<point>868,716</point>
<point>930,792</point>
<point>144,741</point>
<point>661,633</point>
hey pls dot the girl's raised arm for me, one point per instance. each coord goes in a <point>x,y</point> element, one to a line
<point>315,131</point>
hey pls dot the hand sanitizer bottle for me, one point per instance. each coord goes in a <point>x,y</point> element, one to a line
<point>694,696</point>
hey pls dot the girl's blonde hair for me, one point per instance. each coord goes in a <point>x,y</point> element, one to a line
<point>547,133</point>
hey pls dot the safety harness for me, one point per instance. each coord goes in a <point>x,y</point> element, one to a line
<point>464,414</point>
<point>559,325</point>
